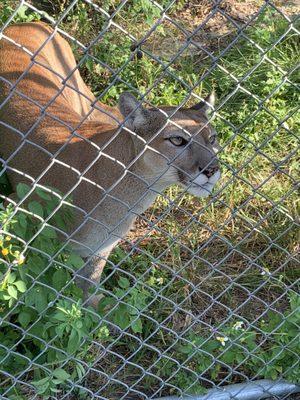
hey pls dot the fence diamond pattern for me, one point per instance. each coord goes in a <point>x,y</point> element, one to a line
<point>197,294</point>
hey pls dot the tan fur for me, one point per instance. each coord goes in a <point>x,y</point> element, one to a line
<point>51,135</point>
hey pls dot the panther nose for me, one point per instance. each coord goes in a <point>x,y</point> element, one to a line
<point>210,171</point>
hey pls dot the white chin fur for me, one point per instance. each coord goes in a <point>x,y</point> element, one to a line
<point>202,186</point>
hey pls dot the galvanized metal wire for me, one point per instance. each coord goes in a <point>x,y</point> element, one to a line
<point>131,389</point>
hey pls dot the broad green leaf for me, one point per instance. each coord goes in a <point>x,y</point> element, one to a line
<point>36,208</point>
<point>22,12</point>
<point>105,304</point>
<point>41,382</point>
<point>11,302</point>
<point>80,370</point>
<point>22,272</point>
<point>42,385</point>
<point>41,300</point>
<point>124,283</point>
<point>21,286</point>
<point>22,190</point>
<point>137,326</point>
<point>75,261</point>
<point>36,264</point>
<point>12,291</point>
<point>22,218</point>
<point>73,342</point>
<point>61,374</point>
<point>294,301</point>
<point>37,297</point>
<point>11,277</point>
<point>119,292</point>
<point>89,64</point>
<point>60,316</point>
<point>19,231</point>
<point>56,382</point>
<point>60,329</point>
<point>60,278</point>
<point>43,194</point>
<point>78,324</point>
<point>24,318</point>
<point>58,221</point>
<point>49,232</point>
<point>121,317</point>
<point>229,356</point>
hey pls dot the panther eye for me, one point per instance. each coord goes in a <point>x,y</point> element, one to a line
<point>212,139</point>
<point>178,140</point>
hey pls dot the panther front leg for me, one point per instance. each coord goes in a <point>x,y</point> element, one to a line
<point>88,277</point>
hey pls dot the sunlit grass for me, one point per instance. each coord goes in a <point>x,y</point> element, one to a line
<point>205,258</point>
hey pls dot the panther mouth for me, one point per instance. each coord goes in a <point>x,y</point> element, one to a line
<point>202,186</point>
<point>201,190</point>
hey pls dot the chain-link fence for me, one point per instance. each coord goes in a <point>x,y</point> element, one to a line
<point>200,299</point>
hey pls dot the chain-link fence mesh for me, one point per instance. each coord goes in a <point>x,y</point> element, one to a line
<point>201,293</point>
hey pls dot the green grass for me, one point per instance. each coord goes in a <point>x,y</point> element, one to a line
<point>197,273</point>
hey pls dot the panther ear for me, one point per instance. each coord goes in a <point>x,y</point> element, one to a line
<point>207,104</point>
<point>132,109</point>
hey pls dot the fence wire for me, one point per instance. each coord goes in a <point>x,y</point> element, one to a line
<point>201,293</point>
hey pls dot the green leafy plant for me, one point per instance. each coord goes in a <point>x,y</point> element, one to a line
<point>23,14</point>
<point>47,386</point>
<point>46,331</point>
<point>35,271</point>
<point>126,304</point>
<point>270,350</point>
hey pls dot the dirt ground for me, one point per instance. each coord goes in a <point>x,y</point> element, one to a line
<point>211,26</point>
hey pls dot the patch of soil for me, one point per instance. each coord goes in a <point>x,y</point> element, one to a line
<point>209,25</point>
